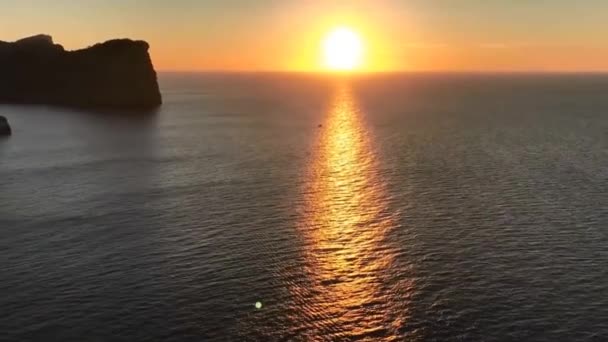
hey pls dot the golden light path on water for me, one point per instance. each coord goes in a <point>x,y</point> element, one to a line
<point>345,219</point>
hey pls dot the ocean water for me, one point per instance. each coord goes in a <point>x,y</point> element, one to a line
<point>405,207</point>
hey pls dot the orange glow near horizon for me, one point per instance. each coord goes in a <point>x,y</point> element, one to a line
<point>288,35</point>
<point>339,43</point>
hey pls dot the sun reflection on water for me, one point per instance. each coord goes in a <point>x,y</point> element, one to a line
<point>345,220</point>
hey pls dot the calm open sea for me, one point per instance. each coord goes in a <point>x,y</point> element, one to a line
<point>418,207</point>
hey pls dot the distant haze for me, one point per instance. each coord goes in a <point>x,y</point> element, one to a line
<point>467,35</point>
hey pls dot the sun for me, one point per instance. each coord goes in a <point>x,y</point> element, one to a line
<point>342,50</point>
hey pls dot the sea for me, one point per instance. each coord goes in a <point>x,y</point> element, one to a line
<point>310,207</point>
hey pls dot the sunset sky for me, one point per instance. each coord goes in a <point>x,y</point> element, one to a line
<point>259,35</point>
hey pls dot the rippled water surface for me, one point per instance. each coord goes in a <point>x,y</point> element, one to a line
<point>373,208</point>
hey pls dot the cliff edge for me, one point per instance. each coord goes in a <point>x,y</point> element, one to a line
<point>117,73</point>
<point>5,128</point>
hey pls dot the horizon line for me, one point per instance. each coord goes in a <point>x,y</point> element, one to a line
<point>366,72</point>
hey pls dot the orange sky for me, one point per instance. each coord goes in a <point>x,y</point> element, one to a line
<point>259,35</point>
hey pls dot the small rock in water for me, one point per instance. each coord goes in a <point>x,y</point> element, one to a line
<point>5,129</point>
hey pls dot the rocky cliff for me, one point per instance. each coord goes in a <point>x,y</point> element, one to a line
<point>117,73</point>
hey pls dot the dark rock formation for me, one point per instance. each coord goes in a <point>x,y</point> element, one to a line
<point>5,129</point>
<point>117,73</point>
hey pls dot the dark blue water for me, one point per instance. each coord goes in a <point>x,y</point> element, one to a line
<point>387,207</point>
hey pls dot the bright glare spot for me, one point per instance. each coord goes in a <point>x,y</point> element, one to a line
<point>342,49</point>
<point>258,305</point>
